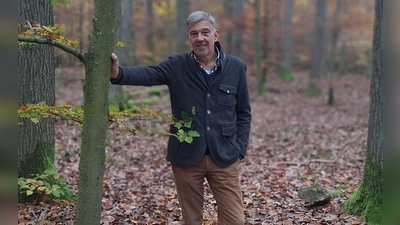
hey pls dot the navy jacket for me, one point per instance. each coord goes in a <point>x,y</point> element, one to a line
<point>223,112</point>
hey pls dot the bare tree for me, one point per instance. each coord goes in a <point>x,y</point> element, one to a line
<point>181,14</point>
<point>234,8</point>
<point>319,46</point>
<point>287,38</point>
<point>261,89</point>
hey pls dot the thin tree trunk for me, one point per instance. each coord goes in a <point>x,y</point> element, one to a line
<point>318,51</point>
<point>36,83</point>
<point>98,66</point>
<point>261,90</point>
<point>287,39</point>
<point>335,36</point>
<point>181,11</point>
<point>234,9</point>
<point>368,199</point>
<point>150,28</point>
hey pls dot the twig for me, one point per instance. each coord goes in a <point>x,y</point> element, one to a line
<point>49,41</point>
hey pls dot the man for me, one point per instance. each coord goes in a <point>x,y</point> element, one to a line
<point>214,85</point>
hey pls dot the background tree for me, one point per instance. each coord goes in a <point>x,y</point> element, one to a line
<point>319,48</point>
<point>287,38</point>
<point>125,54</point>
<point>368,199</point>
<point>257,46</point>
<point>331,67</point>
<point>182,7</point>
<point>149,36</point>
<point>36,83</point>
<point>234,9</point>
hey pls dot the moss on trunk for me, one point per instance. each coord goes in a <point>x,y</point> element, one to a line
<point>368,198</point>
<point>43,158</point>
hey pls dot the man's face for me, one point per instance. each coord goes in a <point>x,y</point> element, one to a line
<point>202,38</point>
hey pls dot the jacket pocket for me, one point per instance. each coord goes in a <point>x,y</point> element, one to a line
<point>229,133</point>
<point>226,95</point>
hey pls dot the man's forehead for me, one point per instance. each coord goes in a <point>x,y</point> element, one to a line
<point>200,25</point>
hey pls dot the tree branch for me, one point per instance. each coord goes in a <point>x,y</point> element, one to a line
<point>52,42</point>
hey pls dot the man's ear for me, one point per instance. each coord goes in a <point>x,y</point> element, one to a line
<point>216,34</point>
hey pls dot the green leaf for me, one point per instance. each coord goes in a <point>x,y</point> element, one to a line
<point>181,135</point>
<point>25,187</point>
<point>57,193</point>
<point>29,181</point>
<point>188,123</point>
<point>41,188</point>
<point>185,116</point>
<point>35,120</point>
<point>188,139</point>
<point>178,125</point>
<point>29,192</point>
<point>62,181</point>
<point>193,133</point>
<point>193,110</point>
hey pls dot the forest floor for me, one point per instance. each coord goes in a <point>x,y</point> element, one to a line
<point>295,142</point>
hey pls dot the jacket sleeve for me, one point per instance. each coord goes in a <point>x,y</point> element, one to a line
<point>145,76</point>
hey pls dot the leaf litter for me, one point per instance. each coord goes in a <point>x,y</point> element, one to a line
<point>295,142</point>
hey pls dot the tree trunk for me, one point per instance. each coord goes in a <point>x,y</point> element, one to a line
<point>335,36</point>
<point>287,38</point>
<point>98,67</point>
<point>149,35</point>
<point>266,39</point>
<point>125,54</point>
<point>261,90</point>
<point>36,83</point>
<point>181,16</point>
<point>368,199</point>
<point>170,38</point>
<point>234,8</point>
<point>318,51</point>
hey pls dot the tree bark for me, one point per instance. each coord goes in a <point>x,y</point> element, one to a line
<point>368,199</point>
<point>287,38</point>
<point>36,83</point>
<point>181,16</point>
<point>150,33</point>
<point>234,8</point>
<point>319,46</point>
<point>261,90</point>
<point>98,66</point>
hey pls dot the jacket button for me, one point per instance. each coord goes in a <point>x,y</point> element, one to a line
<point>208,128</point>
<point>227,91</point>
<point>208,112</point>
<point>208,95</point>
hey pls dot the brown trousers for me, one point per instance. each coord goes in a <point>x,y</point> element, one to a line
<point>225,186</point>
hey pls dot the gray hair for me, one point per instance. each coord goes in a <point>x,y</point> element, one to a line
<point>198,16</point>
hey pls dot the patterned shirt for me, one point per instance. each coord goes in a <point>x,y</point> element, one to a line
<point>214,68</point>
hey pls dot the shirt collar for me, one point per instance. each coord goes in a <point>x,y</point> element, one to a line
<point>214,68</point>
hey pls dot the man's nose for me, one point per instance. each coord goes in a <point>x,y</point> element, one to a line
<point>200,37</point>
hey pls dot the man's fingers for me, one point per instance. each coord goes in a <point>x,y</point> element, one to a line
<point>114,57</point>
